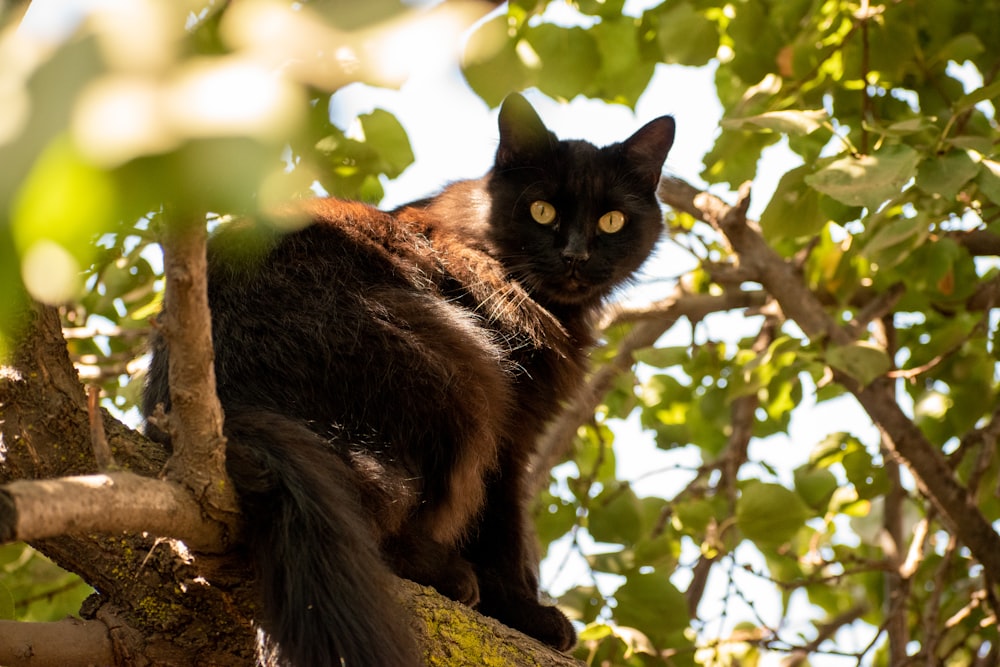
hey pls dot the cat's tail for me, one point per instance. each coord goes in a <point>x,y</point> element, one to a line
<point>325,590</point>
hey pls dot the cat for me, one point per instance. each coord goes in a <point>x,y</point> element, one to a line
<point>385,375</point>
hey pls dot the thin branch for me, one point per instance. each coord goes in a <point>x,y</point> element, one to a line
<point>199,455</point>
<point>108,503</point>
<point>59,644</point>
<point>98,438</point>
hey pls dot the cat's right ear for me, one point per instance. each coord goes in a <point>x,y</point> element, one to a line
<point>523,135</point>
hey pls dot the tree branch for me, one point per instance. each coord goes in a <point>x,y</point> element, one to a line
<point>108,503</point>
<point>199,452</point>
<point>59,644</point>
<point>901,436</point>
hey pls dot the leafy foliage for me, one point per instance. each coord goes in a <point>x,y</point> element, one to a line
<point>890,217</point>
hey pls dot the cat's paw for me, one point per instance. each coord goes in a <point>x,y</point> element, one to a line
<point>546,624</point>
<point>460,584</point>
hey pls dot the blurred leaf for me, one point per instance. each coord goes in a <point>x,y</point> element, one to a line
<point>388,138</point>
<point>944,175</point>
<point>615,516</point>
<point>989,179</point>
<point>560,76</point>
<point>652,605</point>
<point>62,206</point>
<point>582,603</point>
<point>769,514</point>
<point>685,35</point>
<point>861,360</point>
<point>491,64</point>
<point>815,486</point>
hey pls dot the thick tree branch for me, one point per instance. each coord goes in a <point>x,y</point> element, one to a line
<point>901,436</point>
<point>109,503</point>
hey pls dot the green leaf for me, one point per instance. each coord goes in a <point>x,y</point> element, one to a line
<point>815,486</point>
<point>651,604</point>
<point>491,64</point>
<point>989,179</point>
<point>624,74</point>
<point>569,58</point>
<point>861,360</point>
<point>6,603</point>
<point>615,516</point>
<point>944,175</point>
<point>868,180</point>
<point>554,517</point>
<point>976,96</point>
<point>794,210</point>
<point>64,204</point>
<point>387,136</point>
<point>785,122</point>
<point>892,241</point>
<point>685,35</point>
<point>582,603</point>
<point>604,8</point>
<point>594,453</point>
<point>769,514</point>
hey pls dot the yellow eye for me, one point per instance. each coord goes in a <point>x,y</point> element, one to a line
<point>611,222</point>
<point>543,212</point>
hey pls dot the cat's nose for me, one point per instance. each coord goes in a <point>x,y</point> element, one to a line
<point>574,258</point>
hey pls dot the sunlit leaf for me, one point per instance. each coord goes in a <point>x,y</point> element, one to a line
<point>784,122</point>
<point>868,180</point>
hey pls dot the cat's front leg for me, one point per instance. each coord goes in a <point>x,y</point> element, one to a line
<point>507,566</point>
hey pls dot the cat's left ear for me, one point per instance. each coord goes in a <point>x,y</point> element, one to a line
<point>647,149</point>
<point>523,135</point>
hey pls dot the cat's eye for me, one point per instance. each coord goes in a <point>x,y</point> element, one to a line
<point>611,222</point>
<point>543,212</point>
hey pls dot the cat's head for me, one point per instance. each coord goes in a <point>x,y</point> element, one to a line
<point>570,220</point>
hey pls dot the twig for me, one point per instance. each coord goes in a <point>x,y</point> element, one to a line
<point>98,439</point>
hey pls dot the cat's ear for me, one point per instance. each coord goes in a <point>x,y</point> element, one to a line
<point>523,135</point>
<point>647,149</point>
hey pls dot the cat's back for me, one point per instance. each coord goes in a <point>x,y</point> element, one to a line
<point>343,320</point>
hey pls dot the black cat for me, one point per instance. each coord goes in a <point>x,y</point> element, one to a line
<point>386,375</point>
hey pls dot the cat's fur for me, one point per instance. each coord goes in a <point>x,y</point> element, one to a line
<point>385,376</point>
